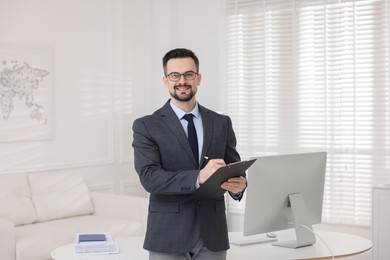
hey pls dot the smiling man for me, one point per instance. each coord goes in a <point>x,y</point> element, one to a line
<point>170,151</point>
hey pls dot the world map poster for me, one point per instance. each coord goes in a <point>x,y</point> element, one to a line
<point>26,93</point>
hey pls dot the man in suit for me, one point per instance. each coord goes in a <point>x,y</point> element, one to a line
<point>171,167</point>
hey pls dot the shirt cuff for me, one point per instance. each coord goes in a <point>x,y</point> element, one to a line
<point>197,185</point>
<point>236,196</point>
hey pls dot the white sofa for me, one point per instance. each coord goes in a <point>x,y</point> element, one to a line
<point>41,211</point>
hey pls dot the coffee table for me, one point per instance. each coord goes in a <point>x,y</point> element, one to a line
<point>129,248</point>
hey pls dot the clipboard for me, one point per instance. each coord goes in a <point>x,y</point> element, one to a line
<point>211,189</point>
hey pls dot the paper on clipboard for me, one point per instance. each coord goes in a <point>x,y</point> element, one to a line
<point>211,189</point>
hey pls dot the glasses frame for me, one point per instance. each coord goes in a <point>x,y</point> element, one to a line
<point>181,74</point>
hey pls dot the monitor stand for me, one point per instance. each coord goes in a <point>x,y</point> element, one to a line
<point>304,236</point>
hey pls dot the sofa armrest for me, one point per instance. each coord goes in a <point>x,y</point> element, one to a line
<point>7,239</point>
<point>121,206</point>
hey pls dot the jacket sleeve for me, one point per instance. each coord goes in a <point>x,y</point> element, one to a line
<point>147,161</point>
<point>232,155</point>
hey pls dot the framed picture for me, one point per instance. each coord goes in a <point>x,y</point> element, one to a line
<point>26,93</point>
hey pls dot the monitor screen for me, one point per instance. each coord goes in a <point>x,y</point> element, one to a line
<point>285,191</point>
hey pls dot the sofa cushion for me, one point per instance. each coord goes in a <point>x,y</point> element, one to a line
<point>15,199</point>
<point>59,195</point>
<point>52,234</point>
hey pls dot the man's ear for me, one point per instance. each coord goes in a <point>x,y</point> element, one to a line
<point>199,78</point>
<point>165,81</point>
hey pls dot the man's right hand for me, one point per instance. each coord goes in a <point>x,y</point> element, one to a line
<point>211,167</point>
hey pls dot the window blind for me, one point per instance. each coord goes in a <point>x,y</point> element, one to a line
<point>313,75</point>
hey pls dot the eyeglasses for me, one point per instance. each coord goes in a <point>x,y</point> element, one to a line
<point>188,75</point>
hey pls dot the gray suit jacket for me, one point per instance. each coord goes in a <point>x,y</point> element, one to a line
<point>168,171</point>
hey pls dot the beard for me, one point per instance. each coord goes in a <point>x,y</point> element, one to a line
<point>182,97</point>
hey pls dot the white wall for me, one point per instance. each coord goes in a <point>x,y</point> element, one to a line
<point>97,46</point>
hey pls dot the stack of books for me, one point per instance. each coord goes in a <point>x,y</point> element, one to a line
<point>94,243</point>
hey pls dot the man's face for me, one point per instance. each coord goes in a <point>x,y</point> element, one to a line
<point>183,89</point>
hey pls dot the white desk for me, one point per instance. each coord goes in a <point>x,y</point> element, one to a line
<point>341,244</point>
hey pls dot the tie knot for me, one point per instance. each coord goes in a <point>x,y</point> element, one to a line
<point>188,117</point>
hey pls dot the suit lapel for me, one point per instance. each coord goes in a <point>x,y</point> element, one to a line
<point>173,123</point>
<point>207,131</point>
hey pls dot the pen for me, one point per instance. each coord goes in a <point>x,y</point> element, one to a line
<point>206,157</point>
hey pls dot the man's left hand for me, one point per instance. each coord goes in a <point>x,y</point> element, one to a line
<point>234,185</point>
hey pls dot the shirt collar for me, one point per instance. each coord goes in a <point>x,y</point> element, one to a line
<point>180,113</point>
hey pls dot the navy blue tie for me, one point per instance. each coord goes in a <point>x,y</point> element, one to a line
<point>192,137</point>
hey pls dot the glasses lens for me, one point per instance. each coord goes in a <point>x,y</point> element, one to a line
<point>174,76</point>
<point>189,75</point>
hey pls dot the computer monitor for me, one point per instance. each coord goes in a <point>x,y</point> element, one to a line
<point>286,191</point>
